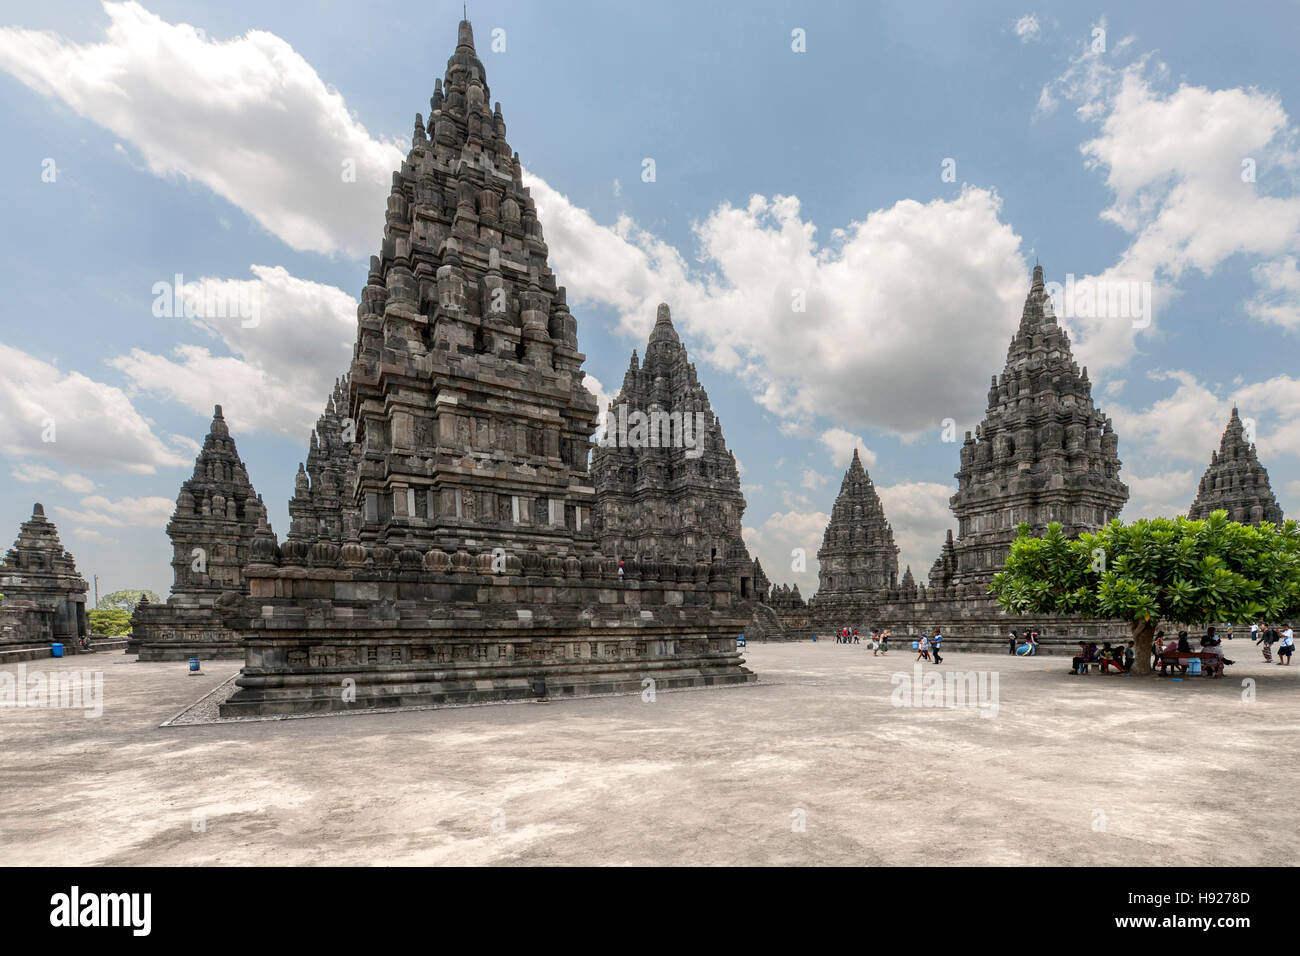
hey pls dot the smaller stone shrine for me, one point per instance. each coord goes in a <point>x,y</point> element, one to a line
<point>44,594</point>
<point>217,512</point>
<point>1236,482</point>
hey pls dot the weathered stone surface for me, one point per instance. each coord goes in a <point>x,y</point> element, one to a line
<point>1236,482</point>
<point>44,594</point>
<point>323,507</point>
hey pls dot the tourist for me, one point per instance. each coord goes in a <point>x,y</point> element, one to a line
<point>1079,664</point>
<point>1033,643</point>
<point>1110,657</point>
<point>1130,656</point>
<point>874,640</point>
<point>1268,635</point>
<point>934,646</point>
<point>857,638</point>
<point>884,642</point>
<point>1286,646</point>
<point>1209,638</point>
<point>1014,639</point>
<point>1157,648</point>
<point>923,647</point>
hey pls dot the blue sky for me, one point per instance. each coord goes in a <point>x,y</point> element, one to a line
<point>205,139</point>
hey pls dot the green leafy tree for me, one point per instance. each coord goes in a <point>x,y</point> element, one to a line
<point>113,623</point>
<point>126,600</point>
<point>1189,572</point>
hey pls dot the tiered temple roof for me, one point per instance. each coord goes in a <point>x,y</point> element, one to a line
<point>1236,482</point>
<point>217,512</point>
<point>1043,453</point>
<point>39,570</point>
<point>666,485</point>
<point>317,510</point>
<point>466,381</point>
<point>858,554</point>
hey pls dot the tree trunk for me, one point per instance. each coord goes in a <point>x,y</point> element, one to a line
<point>1143,633</point>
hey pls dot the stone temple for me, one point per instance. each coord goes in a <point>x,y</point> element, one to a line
<point>858,557</point>
<point>44,595</point>
<point>1043,453</point>
<point>217,512</point>
<point>468,569</point>
<point>1236,482</point>
<point>666,483</point>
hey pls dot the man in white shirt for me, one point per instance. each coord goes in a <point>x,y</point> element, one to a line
<point>1287,645</point>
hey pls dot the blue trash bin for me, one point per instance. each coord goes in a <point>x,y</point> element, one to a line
<point>56,650</point>
<point>194,665</point>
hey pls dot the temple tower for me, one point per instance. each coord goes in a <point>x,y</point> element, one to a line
<point>327,482</point>
<point>1236,482</point>
<point>666,485</point>
<point>216,514</point>
<point>1043,453</point>
<point>858,555</point>
<point>38,571</point>
<point>466,381</point>
<point>211,531</point>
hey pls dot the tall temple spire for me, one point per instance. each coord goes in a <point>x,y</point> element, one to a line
<point>478,348</point>
<point>1043,453</point>
<point>1236,481</point>
<point>661,496</point>
<point>858,554</point>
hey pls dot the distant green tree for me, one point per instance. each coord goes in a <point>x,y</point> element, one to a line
<point>114,623</point>
<point>126,600</point>
<point>1189,572</point>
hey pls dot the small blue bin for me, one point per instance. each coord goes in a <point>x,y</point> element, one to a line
<point>194,664</point>
<point>56,650</point>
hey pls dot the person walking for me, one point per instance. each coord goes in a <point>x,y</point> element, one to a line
<point>1267,638</point>
<point>923,647</point>
<point>884,642</point>
<point>935,642</point>
<point>1286,646</point>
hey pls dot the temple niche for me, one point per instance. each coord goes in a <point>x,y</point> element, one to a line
<point>1043,453</point>
<point>217,512</point>
<point>1236,481</point>
<point>44,594</point>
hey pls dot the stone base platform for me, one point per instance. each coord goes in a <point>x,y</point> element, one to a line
<point>325,692</point>
<point>207,651</point>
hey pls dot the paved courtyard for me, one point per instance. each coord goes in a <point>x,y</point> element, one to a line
<point>1071,770</point>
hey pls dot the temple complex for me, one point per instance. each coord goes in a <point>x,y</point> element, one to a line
<point>469,568</point>
<point>44,595</point>
<point>1236,482</point>
<point>217,512</point>
<point>1043,453</point>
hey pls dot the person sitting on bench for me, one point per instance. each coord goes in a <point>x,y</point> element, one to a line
<point>1110,657</point>
<point>1079,665</point>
